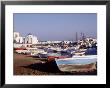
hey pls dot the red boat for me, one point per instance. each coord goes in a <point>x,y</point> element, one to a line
<point>21,50</point>
<point>52,56</point>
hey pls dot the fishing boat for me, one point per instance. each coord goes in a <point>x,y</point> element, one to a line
<point>42,55</point>
<point>52,56</point>
<point>77,63</point>
<point>22,51</point>
<point>58,55</point>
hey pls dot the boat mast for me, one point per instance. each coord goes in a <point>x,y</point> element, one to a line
<point>76,37</point>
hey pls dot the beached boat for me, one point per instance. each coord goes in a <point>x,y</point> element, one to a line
<point>39,55</point>
<point>22,51</point>
<point>77,63</point>
<point>52,56</point>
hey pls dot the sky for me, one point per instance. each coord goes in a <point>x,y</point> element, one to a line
<point>56,26</point>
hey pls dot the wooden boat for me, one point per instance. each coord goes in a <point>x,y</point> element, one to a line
<point>77,63</point>
<point>22,51</point>
<point>52,56</point>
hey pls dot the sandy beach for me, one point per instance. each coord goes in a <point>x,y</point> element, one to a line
<point>26,65</point>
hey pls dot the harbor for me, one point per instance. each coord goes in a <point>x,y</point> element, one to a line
<point>55,44</point>
<point>55,57</point>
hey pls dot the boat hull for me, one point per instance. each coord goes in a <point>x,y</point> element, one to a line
<point>77,64</point>
<point>77,68</point>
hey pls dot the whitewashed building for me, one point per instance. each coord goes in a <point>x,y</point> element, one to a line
<point>16,34</point>
<point>31,39</point>
<point>27,41</point>
<point>17,38</point>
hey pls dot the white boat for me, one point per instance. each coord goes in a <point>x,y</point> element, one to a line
<point>77,63</point>
<point>22,51</point>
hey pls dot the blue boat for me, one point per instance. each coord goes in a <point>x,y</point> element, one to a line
<point>77,63</point>
<point>83,63</point>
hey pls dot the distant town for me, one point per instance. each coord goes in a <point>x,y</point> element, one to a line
<point>32,41</point>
